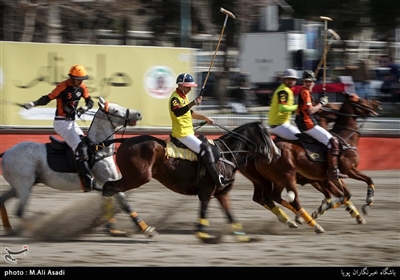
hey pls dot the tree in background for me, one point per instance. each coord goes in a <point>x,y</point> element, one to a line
<point>77,22</point>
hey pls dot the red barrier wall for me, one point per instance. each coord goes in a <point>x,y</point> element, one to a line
<point>375,153</point>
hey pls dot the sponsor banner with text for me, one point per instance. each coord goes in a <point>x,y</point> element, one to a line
<point>141,78</point>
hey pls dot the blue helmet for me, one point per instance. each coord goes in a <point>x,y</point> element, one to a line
<point>186,80</point>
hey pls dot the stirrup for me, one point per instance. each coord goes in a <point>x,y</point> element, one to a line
<point>92,186</point>
<point>223,182</point>
<point>335,175</point>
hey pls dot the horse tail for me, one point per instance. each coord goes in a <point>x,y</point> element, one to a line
<point>3,211</point>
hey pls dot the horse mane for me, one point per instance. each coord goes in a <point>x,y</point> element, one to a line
<point>237,130</point>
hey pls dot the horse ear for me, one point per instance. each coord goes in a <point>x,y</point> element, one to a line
<point>354,98</point>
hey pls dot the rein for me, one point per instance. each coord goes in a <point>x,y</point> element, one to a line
<point>337,112</point>
<point>257,148</point>
<point>239,136</point>
<point>106,142</point>
<point>359,108</point>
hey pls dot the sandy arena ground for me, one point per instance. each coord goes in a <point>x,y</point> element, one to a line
<point>66,217</point>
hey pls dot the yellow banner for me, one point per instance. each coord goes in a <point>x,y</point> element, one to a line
<point>140,78</point>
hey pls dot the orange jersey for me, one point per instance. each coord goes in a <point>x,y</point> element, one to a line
<point>67,97</point>
<point>304,120</point>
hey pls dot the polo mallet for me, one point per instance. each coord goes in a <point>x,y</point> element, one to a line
<point>325,19</point>
<point>228,14</point>
<point>7,102</point>
<point>334,37</point>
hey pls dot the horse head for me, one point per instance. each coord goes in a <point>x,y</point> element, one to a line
<point>359,107</point>
<point>353,108</point>
<point>118,115</point>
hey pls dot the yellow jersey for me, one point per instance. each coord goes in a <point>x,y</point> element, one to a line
<point>282,95</point>
<point>182,125</point>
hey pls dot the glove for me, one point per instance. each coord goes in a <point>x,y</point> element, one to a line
<point>81,110</point>
<point>28,105</point>
<point>324,100</point>
<point>196,101</point>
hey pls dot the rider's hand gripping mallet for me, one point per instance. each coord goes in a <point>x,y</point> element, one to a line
<point>228,14</point>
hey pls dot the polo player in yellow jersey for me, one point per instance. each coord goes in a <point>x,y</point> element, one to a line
<point>182,126</point>
<point>282,107</point>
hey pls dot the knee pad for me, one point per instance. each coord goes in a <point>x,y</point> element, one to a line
<point>206,152</point>
<point>334,146</point>
<point>82,151</point>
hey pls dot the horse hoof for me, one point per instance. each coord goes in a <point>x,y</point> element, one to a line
<point>292,224</point>
<point>299,220</point>
<point>360,220</point>
<point>318,229</point>
<point>366,209</point>
<point>150,231</point>
<point>208,239</point>
<point>202,235</point>
<point>118,233</point>
<point>245,239</point>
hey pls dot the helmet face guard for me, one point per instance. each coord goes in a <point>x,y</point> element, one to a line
<point>78,72</point>
<point>308,76</point>
<point>186,80</point>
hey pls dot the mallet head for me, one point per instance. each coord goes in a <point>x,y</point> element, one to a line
<point>326,18</point>
<point>226,12</point>
<point>334,34</point>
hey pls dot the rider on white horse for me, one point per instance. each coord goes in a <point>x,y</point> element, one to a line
<point>68,93</point>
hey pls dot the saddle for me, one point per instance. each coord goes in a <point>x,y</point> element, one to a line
<point>315,150</point>
<point>176,149</point>
<point>61,158</point>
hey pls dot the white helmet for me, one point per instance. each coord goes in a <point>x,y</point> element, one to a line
<point>291,74</point>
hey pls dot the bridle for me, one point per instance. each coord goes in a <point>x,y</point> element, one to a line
<point>359,108</point>
<point>257,149</point>
<point>105,143</point>
<point>126,121</point>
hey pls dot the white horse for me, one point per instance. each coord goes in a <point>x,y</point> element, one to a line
<point>26,164</point>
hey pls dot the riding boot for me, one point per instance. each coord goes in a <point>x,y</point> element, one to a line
<point>88,182</point>
<point>332,160</point>
<point>209,162</point>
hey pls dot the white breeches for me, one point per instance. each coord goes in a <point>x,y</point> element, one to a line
<point>320,134</point>
<point>192,142</point>
<point>286,131</point>
<point>69,131</point>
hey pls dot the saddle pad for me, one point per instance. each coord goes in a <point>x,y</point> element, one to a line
<point>183,153</point>
<point>58,160</point>
<point>315,151</point>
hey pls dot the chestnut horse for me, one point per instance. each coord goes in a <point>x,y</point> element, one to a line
<point>296,166</point>
<point>142,158</point>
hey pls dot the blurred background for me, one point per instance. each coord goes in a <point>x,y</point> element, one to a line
<point>266,37</point>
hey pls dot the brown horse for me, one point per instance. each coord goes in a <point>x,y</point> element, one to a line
<point>296,166</point>
<point>142,158</point>
<point>325,117</point>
